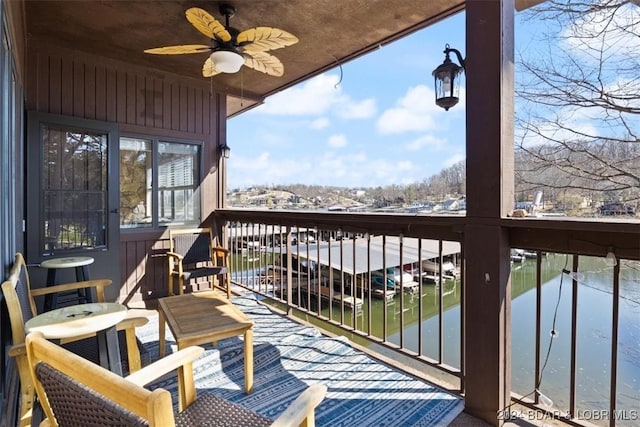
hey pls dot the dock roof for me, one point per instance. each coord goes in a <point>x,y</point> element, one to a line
<point>352,256</point>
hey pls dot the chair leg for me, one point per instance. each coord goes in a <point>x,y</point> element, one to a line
<point>180,285</point>
<point>133,353</point>
<point>170,284</point>
<point>27,392</point>
<point>26,410</point>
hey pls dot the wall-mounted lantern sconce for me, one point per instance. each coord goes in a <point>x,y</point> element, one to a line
<point>446,79</point>
<point>225,150</point>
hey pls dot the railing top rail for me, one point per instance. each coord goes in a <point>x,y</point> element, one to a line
<point>410,225</point>
<point>582,236</point>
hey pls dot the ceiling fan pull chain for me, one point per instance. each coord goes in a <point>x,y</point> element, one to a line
<point>340,66</point>
<point>241,88</point>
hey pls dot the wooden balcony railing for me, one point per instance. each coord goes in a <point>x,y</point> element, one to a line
<point>395,284</point>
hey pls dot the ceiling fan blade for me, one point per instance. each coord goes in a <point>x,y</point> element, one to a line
<point>207,24</point>
<point>208,69</point>
<point>179,50</point>
<point>264,62</point>
<point>261,39</point>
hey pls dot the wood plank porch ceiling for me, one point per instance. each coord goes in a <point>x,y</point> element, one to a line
<point>330,32</point>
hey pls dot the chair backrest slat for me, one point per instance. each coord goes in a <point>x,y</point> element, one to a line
<point>194,247</point>
<point>18,299</point>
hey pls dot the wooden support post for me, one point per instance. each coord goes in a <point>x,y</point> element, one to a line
<point>490,195</point>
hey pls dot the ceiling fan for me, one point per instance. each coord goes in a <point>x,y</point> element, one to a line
<point>230,48</point>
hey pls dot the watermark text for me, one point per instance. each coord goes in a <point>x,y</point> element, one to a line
<point>581,414</point>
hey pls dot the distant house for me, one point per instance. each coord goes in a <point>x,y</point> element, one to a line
<point>453,204</point>
<point>616,208</point>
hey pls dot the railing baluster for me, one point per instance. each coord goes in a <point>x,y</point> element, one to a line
<point>330,276</point>
<point>289,271</point>
<point>538,325</point>
<point>615,313</point>
<point>243,227</point>
<point>262,252</point>
<point>462,317</point>
<point>401,248</point>
<point>309,274</point>
<point>354,309</point>
<point>252,259</point>
<point>284,238</point>
<point>440,300</point>
<point>319,270</point>
<point>420,307</point>
<point>574,338</point>
<point>384,281</point>
<point>369,306</point>
<point>341,281</point>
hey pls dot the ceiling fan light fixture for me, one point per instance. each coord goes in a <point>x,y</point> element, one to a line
<point>227,61</point>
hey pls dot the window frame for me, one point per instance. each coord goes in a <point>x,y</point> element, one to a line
<point>155,141</point>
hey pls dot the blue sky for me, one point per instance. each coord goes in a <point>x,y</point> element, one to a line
<point>378,126</point>
<point>376,123</point>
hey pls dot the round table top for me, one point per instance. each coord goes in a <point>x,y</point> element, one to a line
<point>75,320</point>
<point>67,262</point>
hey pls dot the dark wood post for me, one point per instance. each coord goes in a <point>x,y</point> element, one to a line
<point>490,195</point>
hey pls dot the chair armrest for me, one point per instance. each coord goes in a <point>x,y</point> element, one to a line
<point>131,322</point>
<point>224,251</point>
<point>177,256</point>
<point>17,350</point>
<point>301,408</point>
<point>70,286</point>
<point>165,365</point>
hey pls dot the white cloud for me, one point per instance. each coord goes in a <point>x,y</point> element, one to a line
<point>314,97</point>
<point>337,141</point>
<point>265,170</point>
<point>425,141</point>
<point>319,96</point>
<point>271,138</point>
<point>617,32</point>
<point>453,160</point>
<point>320,123</point>
<point>405,165</point>
<point>413,112</point>
<point>331,168</point>
<point>575,122</point>
<point>357,110</point>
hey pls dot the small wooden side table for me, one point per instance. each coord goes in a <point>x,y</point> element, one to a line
<point>204,317</point>
<point>82,319</point>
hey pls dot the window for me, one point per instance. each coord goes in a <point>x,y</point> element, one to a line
<point>74,185</point>
<point>174,199</point>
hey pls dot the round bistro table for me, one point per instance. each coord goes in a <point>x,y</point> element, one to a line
<point>81,266</point>
<point>81,319</point>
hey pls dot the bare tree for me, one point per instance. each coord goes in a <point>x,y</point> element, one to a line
<point>578,99</point>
